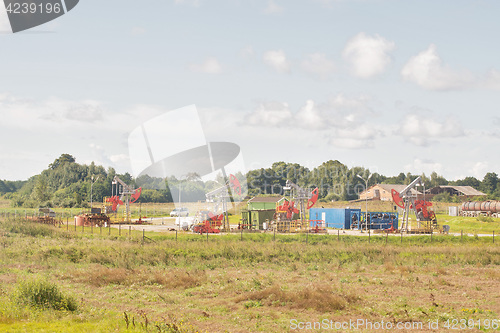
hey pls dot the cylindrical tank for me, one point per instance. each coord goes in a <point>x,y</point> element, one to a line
<point>485,205</point>
<point>495,206</point>
<point>477,206</point>
<point>465,206</point>
<point>80,220</point>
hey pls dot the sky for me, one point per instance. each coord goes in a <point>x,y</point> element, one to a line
<point>393,86</point>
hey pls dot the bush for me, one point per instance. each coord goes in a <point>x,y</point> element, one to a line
<point>43,294</point>
<point>442,197</point>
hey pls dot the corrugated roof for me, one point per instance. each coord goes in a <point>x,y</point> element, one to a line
<point>397,187</point>
<point>265,199</point>
<point>465,190</point>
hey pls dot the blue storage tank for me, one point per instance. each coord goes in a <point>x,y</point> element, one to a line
<point>339,218</point>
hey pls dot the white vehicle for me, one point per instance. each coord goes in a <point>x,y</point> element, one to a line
<point>179,212</point>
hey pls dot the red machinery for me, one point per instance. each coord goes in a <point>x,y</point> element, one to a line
<point>288,208</point>
<point>284,214</point>
<point>210,225</point>
<point>235,184</point>
<point>318,228</point>
<point>314,197</point>
<point>123,194</point>
<point>420,207</point>
<point>407,200</point>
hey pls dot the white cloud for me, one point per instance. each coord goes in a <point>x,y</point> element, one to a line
<point>318,65</point>
<point>120,158</point>
<point>420,129</point>
<point>351,143</point>
<point>309,117</point>
<point>209,66</point>
<point>101,157</point>
<point>277,60</point>
<point>428,71</point>
<point>480,169</point>
<point>51,112</point>
<point>419,166</point>
<point>368,56</point>
<point>492,80</point>
<point>341,121</point>
<point>273,8</point>
<point>270,114</point>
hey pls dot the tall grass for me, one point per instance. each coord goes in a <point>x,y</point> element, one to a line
<point>43,294</point>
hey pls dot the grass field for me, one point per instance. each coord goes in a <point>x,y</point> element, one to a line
<point>227,284</point>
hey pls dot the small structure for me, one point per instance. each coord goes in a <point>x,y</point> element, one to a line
<point>260,210</point>
<point>463,192</point>
<point>264,203</point>
<point>46,216</point>
<point>340,218</point>
<point>383,192</point>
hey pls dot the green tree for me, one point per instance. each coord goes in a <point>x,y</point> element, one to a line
<point>64,158</point>
<point>41,192</point>
<point>489,183</point>
<point>468,181</point>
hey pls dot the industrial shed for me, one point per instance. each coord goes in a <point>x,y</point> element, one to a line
<point>465,192</point>
<point>339,218</point>
<point>260,210</point>
<point>261,203</point>
<point>383,192</point>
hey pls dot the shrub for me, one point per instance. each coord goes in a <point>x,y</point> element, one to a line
<point>43,294</point>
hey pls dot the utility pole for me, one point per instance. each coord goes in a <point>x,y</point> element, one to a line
<point>91,186</point>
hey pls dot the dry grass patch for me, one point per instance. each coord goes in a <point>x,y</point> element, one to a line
<point>321,299</point>
<point>99,276</point>
<point>174,279</point>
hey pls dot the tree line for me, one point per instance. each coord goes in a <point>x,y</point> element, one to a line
<point>66,183</point>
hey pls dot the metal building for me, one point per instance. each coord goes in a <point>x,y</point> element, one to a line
<point>260,210</point>
<point>339,218</point>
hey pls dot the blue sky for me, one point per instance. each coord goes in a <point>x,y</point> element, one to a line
<point>396,86</point>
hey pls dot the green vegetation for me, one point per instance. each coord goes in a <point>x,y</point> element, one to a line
<point>66,184</point>
<point>111,280</point>
<point>44,294</point>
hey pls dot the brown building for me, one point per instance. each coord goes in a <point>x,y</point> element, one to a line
<point>383,192</point>
<point>465,192</point>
